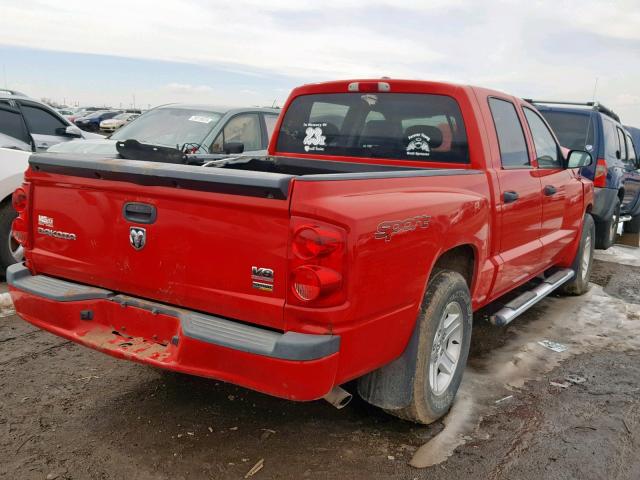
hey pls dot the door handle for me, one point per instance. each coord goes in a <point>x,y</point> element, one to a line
<point>510,196</point>
<point>139,212</point>
<point>550,190</point>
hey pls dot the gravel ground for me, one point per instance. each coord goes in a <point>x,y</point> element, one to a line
<point>71,413</point>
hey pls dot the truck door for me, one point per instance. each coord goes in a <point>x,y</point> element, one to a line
<point>520,203</point>
<point>561,190</point>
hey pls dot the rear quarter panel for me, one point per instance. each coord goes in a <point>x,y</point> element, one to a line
<point>387,278</point>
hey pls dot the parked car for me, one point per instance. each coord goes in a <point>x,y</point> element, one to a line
<point>34,122</point>
<point>112,124</point>
<point>385,213</point>
<point>65,112</point>
<point>595,128</point>
<point>193,128</point>
<point>13,163</point>
<point>91,122</point>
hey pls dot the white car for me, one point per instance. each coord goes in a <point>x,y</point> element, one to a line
<point>13,163</point>
<point>112,124</point>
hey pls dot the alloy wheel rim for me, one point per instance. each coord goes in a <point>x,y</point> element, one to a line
<point>446,349</point>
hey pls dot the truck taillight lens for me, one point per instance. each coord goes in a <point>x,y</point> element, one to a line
<point>20,226</point>
<point>312,281</point>
<point>19,200</point>
<point>600,178</point>
<point>316,263</point>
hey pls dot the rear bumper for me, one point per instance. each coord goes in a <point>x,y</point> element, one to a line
<point>288,365</point>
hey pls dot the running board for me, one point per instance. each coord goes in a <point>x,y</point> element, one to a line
<point>525,301</point>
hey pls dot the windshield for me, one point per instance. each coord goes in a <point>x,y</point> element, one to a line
<point>170,127</point>
<point>574,130</point>
<point>403,126</point>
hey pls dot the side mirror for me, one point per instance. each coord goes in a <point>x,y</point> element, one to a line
<point>233,147</point>
<point>69,131</point>
<point>579,159</point>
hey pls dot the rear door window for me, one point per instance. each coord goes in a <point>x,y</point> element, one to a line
<point>513,147</point>
<point>40,121</point>
<point>399,126</point>
<point>611,141</point>
<point>245,129</point>
<point>622,145</point>
<point>270,123</point>
<point>631,151</point>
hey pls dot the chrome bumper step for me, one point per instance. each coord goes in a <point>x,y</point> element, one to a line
<point>529,298</point>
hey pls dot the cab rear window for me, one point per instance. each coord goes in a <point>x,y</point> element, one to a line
<point>402,126</point>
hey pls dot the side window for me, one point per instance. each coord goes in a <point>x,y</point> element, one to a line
<point>547,151</point>
<point>11,123</point>
<point>631,151</point>
<point>513,148</point>
<point>41,121</point>
<point>611,140</point>
<point>270,122</point>
<point>622,145</point>
<point>243,128</point>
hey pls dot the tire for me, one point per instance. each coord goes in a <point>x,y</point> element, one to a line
<point>607,231</point>
<point>447,295</point>
<point>10,251</point>
<point>583,262</point>
<point>633,225</point>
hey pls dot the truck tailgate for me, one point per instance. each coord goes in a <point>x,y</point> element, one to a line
<point>214,233</point>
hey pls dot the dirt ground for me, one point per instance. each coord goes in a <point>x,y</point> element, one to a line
<point>67,412</point>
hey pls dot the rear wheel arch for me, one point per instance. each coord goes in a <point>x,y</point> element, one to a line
<point>461,259</point>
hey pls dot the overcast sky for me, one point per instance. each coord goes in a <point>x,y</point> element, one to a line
<point>253,52</point>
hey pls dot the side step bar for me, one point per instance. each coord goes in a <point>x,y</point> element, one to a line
<point>525,301</point>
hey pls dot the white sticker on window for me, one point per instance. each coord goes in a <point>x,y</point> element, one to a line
<point>419,145</point>
<point>200,119</point>
<point>314,139</point>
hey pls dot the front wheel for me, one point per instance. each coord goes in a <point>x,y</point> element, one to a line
<point>444,336</point>
<point>583,261</point>
<point>10,251</point>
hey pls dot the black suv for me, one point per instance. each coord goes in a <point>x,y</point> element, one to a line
<point>594,128</point>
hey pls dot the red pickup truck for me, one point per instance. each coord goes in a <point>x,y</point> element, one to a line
<point>386,212</point>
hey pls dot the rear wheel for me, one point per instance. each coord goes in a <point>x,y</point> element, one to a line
<point>606,232</point>
<point>10,251</point>
<point>633,225</point>
<point>583,261</point>
<point>444,337</point>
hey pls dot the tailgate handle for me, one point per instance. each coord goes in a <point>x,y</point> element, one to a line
<point>139,212</point>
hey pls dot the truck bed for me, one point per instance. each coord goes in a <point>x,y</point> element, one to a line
<point>268,177</point>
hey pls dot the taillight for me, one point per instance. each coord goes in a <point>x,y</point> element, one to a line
<point>19,200</point>
<point>20,226</point>
<point>600,178</point>
<point>317,263</point>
